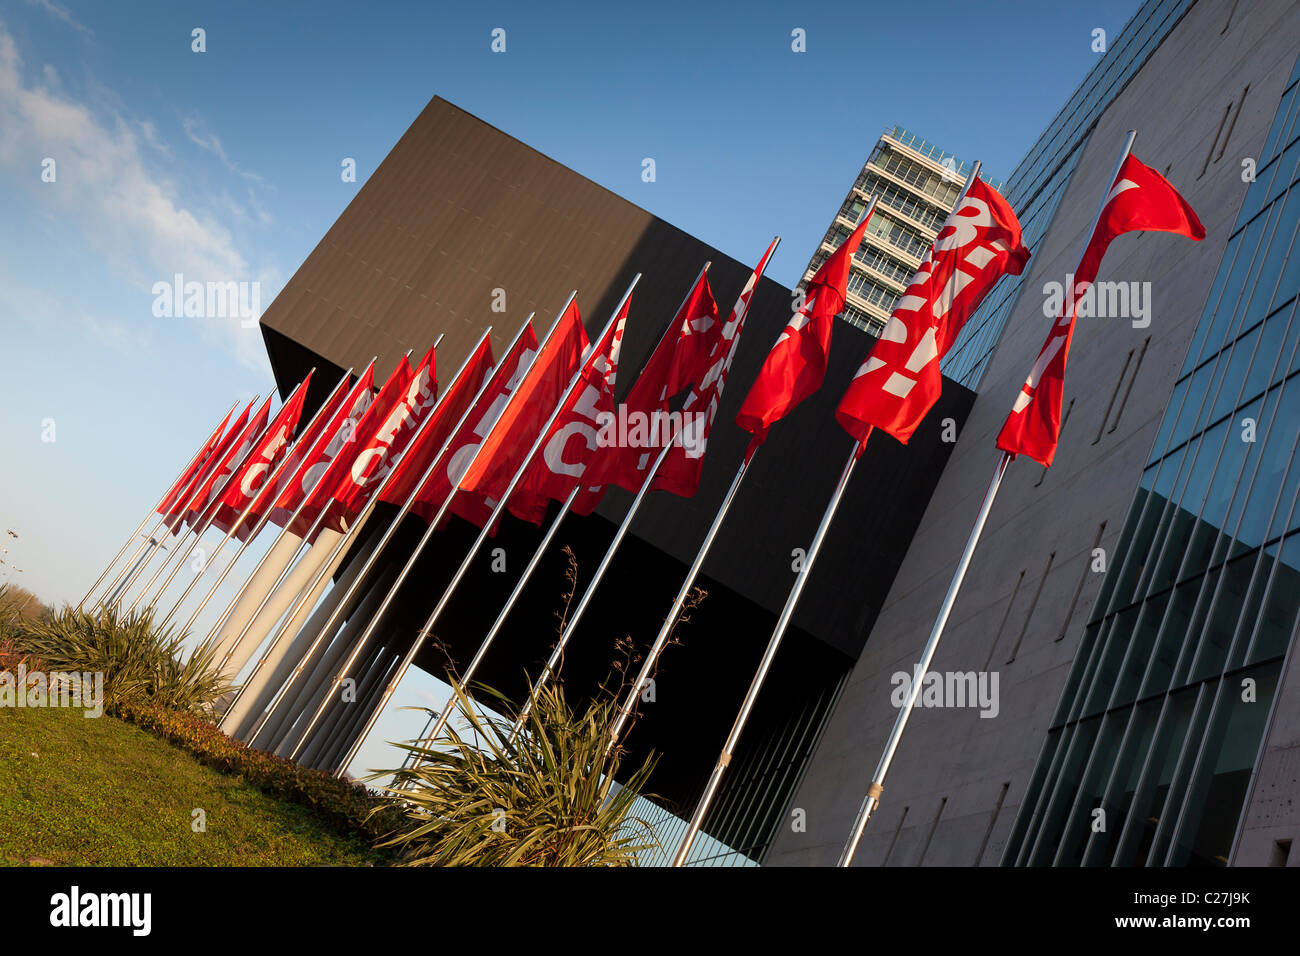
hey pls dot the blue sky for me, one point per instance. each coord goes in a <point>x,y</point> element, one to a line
<point>225,165</point>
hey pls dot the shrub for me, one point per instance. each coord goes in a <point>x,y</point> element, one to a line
<point>139,662</point>
<point>349,807</point>
<point>544,798</point>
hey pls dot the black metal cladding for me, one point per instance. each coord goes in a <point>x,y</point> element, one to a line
<point>458,210</point>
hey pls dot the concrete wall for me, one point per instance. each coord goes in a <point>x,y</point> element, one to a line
<point>958,780</point>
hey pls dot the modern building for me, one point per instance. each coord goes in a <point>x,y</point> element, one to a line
<point>458,210</point>
<point>1138,601</point>
<point>917,185</point>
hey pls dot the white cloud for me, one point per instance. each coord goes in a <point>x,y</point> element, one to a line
<point>200,137</point>
<point>61,13</point>
<point>132,216</point>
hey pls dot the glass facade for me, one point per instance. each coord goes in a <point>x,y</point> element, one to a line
<point>1163,714</point>
<point>1039,181</point>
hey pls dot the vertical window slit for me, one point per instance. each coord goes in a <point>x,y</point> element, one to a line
<point>993,819</point>
<point>1231,126</point>
<point>897,830</point>
<point>1029,614</point>
<point>1110,406</point>
<point>934,825</point>
<point>1137,367</point>
<point>997,635</point>
<point>1078,589</point>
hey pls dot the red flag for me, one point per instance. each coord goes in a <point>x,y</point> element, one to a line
<point>176,494</point>
<point>505,380</point>
<point>289,487</point>
<point>680,360</point>
<point>233,446</point>
<point>899,382</point>
<point>681,468</point>
<point>337,484</point>
<point>305,480</point>
<point>1139,199</point>
<point>795,367</point>
<point>412,465</point>
<point>521,419</point>
<point>250,479</point>
<point>571,443</point>
<point>391,435</point>
<point>211,462</point>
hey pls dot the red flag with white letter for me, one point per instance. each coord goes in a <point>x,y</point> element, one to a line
<point>391,434</point>
<point>228,462</point>
<point>210,464</point>
<point>681,468</point>
<point>1140,199</point>
<point>176,495</point>
<point>571,443</point>
<point>796,366</point>
<point>336,485</point>
<point>505,380</point>
<point>258,465</point>
<point>311,456</point>
<point>413,464</point>
<point>631,440</point>
<point>521,418</point>
<point>900,381</point>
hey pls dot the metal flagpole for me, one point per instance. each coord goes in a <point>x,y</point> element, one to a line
<point>878,778</point>
<point>326,568</point>
<point>629,703</point>
<point>268,489</point>
<point>478,542</point>
<point>323,441</point>
<point>553,662</point>
<point>170,488</point>
<point>326,630</point>
<point>208,514</point>
<point>872,798</point>
<point>166,523</point>
<point>773,644</point>
<point>177,525</point>
<point>316,526</point>
<point>239,521</point>
<point>661,640</point>
<point>472,669</point>
<point>536,559</point>
<point>300,739</point>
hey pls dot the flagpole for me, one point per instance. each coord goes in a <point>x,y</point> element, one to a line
<point>326,568</point>
<point>323,633</point>
<point>161,501</point>
<point>304,466</point>
<point>553,662</point>
<point>872,797</point>
<point>683,593</point>
<point>239,522</point>
<point>209,511</point>
<point>661,640</point>
<point>478,542</point>
<point>773,644</point>
<point>451,704</point>
<point>918,677</point>
<point>327,629</point>
<point>166,523</point>
<point>175,528</point>
<point>271,484</point>
<point>300,738</point>
<point>472,669</point>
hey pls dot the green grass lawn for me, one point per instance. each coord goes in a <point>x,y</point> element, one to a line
<point>101,792</point>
